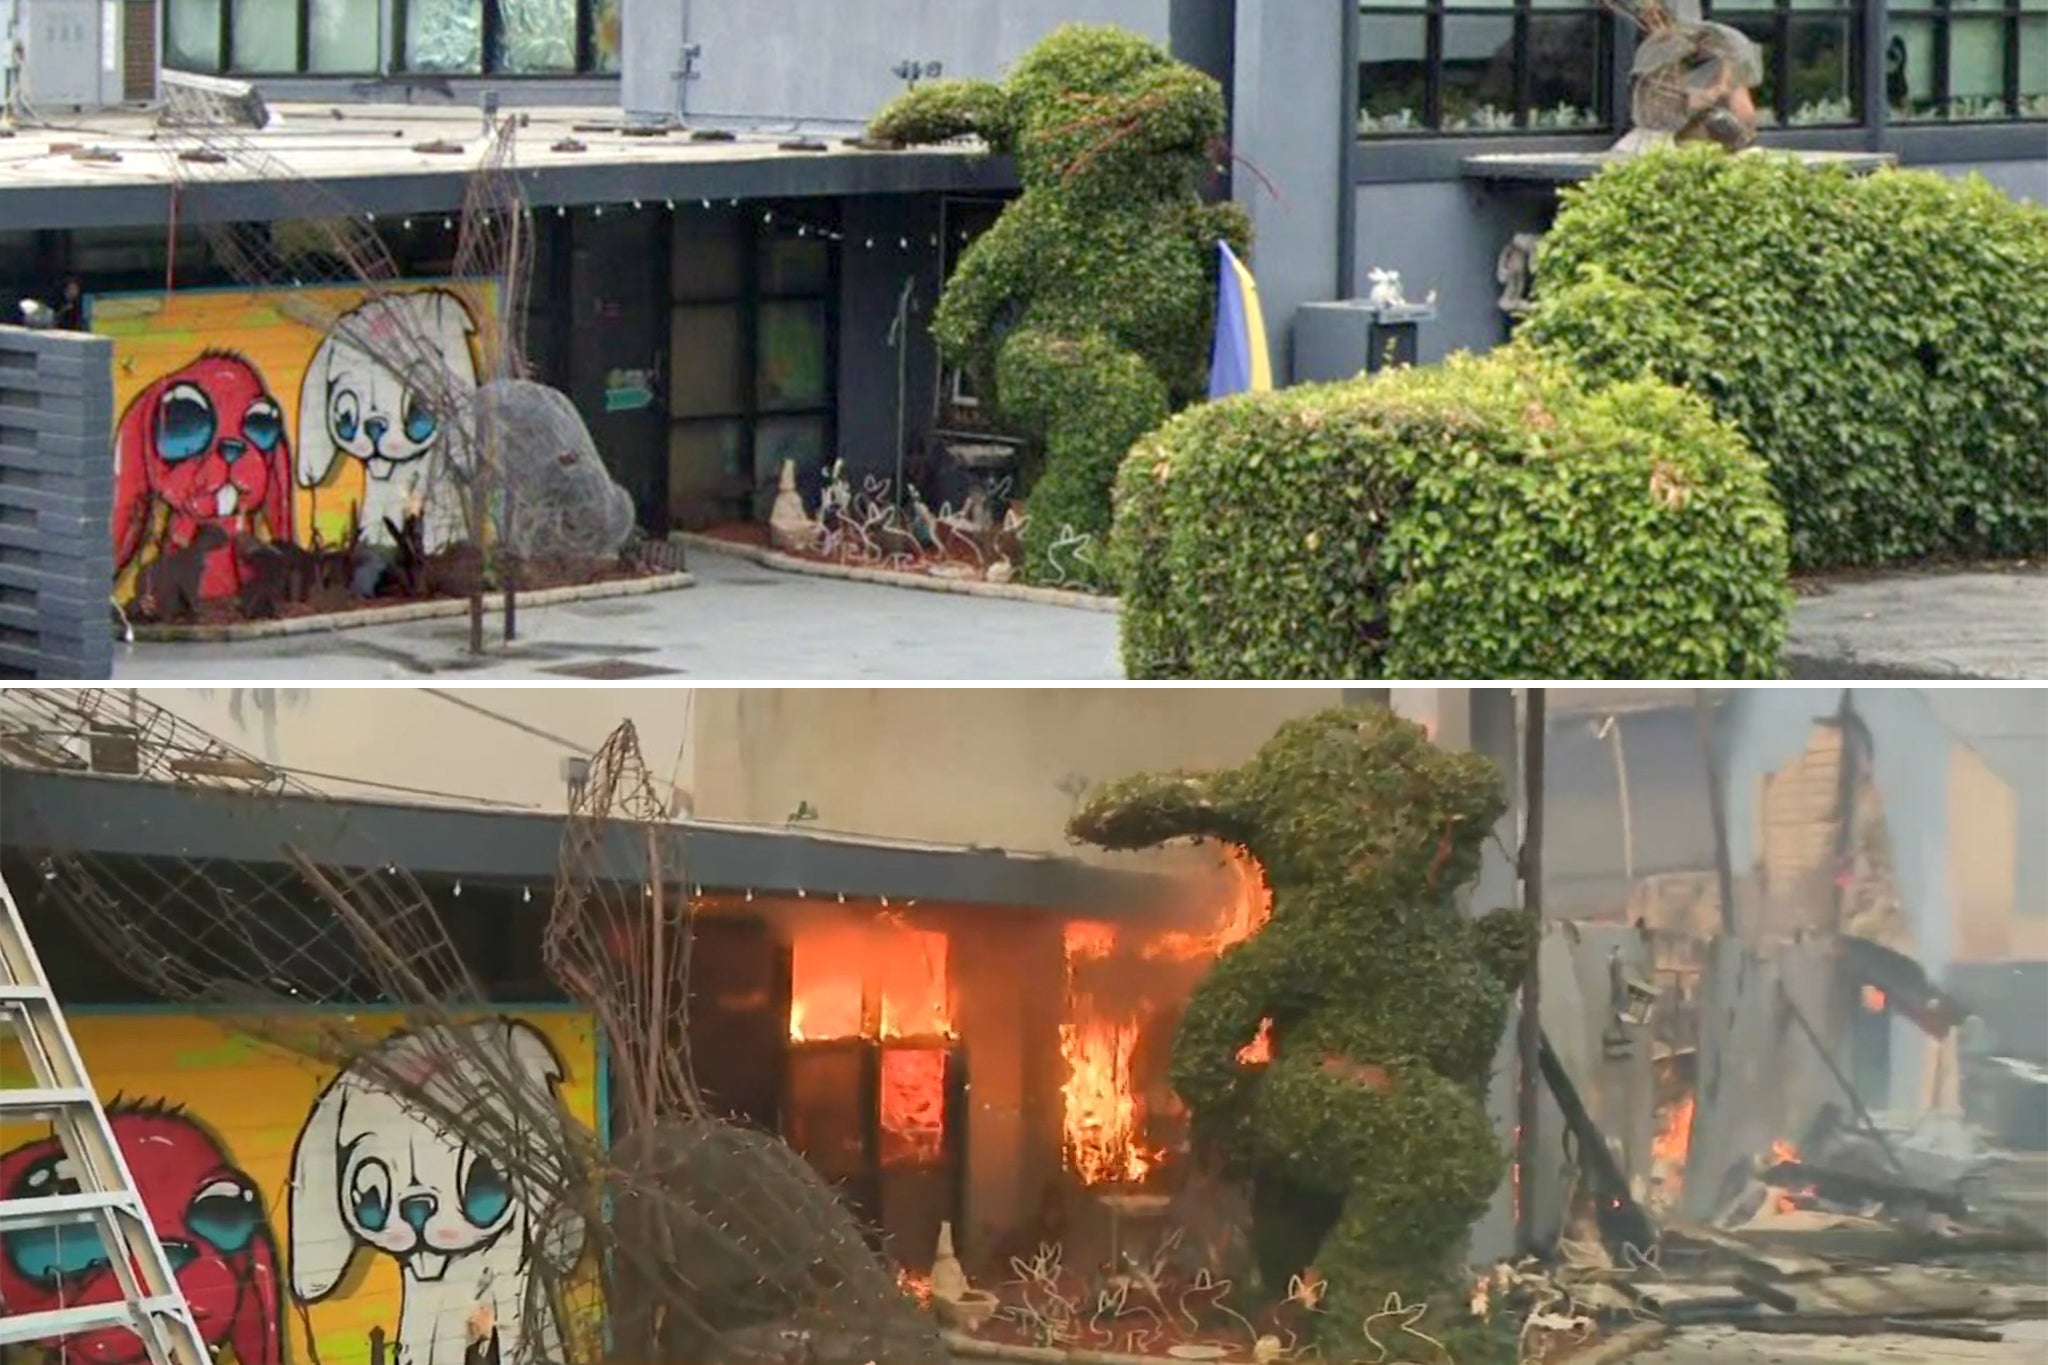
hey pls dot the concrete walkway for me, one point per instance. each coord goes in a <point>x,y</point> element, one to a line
<point>1957,624</point>
<point>744,621</point>
<point>740,621</point>
<point>2025,1344</point>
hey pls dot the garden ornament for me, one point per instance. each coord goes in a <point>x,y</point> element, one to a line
<point>1691,79</point>
<point>1365,1138</point>
<point>1085,312</point>
<point>789,526</point>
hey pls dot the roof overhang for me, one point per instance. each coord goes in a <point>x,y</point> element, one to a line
<point>81,813</point>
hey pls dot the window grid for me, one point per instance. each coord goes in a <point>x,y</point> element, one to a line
<point>2015,21</point>
<point>589,18</point>
<point>1779,100</point>
<point>1527,109</point>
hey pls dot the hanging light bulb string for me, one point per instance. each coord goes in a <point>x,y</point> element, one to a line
<point>780,220</point>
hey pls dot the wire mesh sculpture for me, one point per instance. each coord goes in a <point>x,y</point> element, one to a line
<point>462,447</point>
<point>1690,79</point>
<point>690,1238</point>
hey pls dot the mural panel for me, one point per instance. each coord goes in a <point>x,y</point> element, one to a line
<point>302,1210</point>
<point>244,427</point>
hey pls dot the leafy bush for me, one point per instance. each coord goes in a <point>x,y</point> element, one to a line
<point>1881,341</point>
<point>1364,1133</point>
<point>1488,517</point>
<point>1086,310</point>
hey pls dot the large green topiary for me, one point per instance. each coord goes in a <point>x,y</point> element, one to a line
<point>1366,1138</point>
<point>1485,518</point>
<point>1881,341</point>
<point>1086,310</point>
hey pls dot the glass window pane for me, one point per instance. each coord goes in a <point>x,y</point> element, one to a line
<point>444,35</point>
<point>1909,75</point>
<point>1479,73</point>
<point>791,371</point>
<point>704,353</point>
<point>1565,55</point>
<point>2034,68</point>
<point>1976,69</point>
<point>801,439</point>
<point>706,266</point>
<point>538,37</point>
<point>266,36</point>
<point>1392,73</point>
<point>604,28</point>
<point>345,36</point>
<point>1761,28</point>
<point>794,265</point>
<point>1822,89</point>
<point>192,35</point>
<point>708,482</point>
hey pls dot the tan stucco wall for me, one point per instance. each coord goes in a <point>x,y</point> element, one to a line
<point>997,767</point>
<point>409,737</point>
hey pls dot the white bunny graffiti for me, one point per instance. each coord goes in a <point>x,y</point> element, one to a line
<point>370,1169</point>
<point>353,404</point>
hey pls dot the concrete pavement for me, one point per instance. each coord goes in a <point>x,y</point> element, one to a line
<point>745,621</point>
<point>740,621</point>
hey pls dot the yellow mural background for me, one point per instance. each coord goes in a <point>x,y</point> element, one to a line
<point>254,1097</point>
<point>155,334</point>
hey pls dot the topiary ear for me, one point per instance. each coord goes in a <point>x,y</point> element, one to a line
<point>948,109</point>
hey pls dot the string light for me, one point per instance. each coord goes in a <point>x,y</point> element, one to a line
<point>406,224</point>
<point>447,224</point>
<point>598,211</point>
<point>561,211</point>
<point>458,886</point>
<point>636,206</point>
<point>526,894</point>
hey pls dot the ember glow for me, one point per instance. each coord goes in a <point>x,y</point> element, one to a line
<point>881,979</point>
<point>1785,1200</point>
<point>1104,1119</point>
<point>1873,1000</point>
<point>1670,1147</point>
<point>874,979</point>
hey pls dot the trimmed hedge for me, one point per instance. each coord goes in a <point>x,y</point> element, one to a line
<point>1086,310</point>
<point>1882,341</point>
<point>1364,1138</point>
<point>1488,517</point>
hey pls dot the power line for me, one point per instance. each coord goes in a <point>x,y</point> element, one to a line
<point>580,750</point>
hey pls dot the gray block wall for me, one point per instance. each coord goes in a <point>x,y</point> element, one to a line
<point>56,504</point>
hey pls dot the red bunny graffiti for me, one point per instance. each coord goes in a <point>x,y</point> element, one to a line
<point>201,459</point>
<point>205,1210</point>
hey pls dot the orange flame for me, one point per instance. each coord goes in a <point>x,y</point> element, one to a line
<point>1672,1144</point>
<point>1259,1050</point>
<point>881,979</point>
<point>1103,1122</point>
<point>1785,1200</point>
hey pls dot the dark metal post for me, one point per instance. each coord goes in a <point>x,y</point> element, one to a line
<point>1717,810</point>
<point>1529,1036</point>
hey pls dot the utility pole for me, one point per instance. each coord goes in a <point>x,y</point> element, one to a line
<point>1717,809</point>
<point>1529,1036</point>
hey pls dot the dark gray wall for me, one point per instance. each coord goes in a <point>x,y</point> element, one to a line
<point>1291,139</point>
<point>831,61</point>
<point>56,504</point>
<point>870,284</point>
<point>1445,235</point>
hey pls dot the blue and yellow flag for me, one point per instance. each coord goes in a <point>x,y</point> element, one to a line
<point>1240,363</point>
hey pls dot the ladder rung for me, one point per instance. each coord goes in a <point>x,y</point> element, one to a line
<point>61,1208</point>
<point>35,1102</point>
<point>89,1317</point>
<point>15,993</point>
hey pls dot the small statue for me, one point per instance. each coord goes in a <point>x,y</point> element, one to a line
<point>789,526</point>
<point>1386,289</point>
<point>1691,79</point>
<point>1514,269</point>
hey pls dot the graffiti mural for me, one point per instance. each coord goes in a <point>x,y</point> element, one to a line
<point>205,1209</point>
<point>302,1210</point>
<point>236,416</point>
<point>351,405</point>
<point>201,466</point>
<point>372,1172</point>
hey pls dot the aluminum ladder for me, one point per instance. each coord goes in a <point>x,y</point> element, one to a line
<point>105,1202</point>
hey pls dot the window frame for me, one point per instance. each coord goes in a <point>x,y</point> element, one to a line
<point>1778,79</point>
<point>1522,14</point>
<point>1941,16</point>
<point>391,46</point>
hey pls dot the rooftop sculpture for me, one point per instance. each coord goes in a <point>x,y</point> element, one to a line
<point>1691,78</point>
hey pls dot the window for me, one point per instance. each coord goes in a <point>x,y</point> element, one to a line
<point>1811,54</point>
<point>1967,61</point>
<point>1477,66</point>
<point>351,37</point>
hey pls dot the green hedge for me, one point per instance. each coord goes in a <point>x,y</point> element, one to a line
<point>1881,341</point>
<point>1086,310</point>
<point>1488,517</point>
